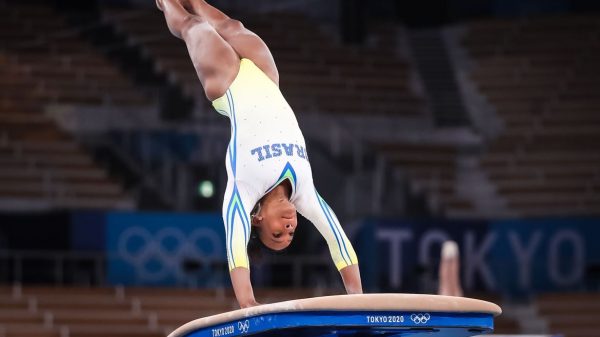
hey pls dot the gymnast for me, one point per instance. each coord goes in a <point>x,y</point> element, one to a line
<point>269,174</point>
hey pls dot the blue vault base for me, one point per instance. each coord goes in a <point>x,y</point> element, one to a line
<point>353,324</point>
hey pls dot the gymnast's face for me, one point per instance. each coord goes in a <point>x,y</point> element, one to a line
<point>277,221</point>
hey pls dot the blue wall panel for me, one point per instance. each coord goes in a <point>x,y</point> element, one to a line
<point>152,248</point>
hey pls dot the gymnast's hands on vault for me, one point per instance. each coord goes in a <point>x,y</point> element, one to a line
<point>240,279</point>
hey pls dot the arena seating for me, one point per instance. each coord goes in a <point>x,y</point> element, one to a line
<point>42,63</point>
<point>541,77</point>
<point>317,74</point>
<point>504,324</point>
<point>95,312</point>
<point>544,162</point>
<point>67,69</point>
<point>431,168</point>
<point>570,314</point>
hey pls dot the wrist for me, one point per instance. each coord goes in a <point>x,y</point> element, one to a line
<point>351,278</point>
<point>248,303</point>
<point>354,290</point>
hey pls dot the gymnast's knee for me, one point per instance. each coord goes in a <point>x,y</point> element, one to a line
<point>192,22</point>
<point>231,27</point>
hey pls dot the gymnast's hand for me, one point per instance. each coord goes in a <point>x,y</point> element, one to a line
<point>249,304</point>
<point>240,279</point>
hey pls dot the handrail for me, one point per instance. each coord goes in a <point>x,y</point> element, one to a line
<point>159,177</point>
<point>49,174</point>
<point>344,135</point>
<point>99,260</point>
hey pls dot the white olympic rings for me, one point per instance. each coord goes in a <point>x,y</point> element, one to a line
<point>243,327</point>
<point>420,318</point>
<point>156,256</point>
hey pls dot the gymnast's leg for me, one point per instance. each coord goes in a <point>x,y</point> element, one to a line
<point>215,61</point>
<point>245,42</point>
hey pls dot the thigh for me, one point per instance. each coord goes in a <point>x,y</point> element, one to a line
<point>248,45</point>
<point>215,61</point>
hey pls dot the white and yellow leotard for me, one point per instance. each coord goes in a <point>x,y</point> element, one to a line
<point>266,148</point>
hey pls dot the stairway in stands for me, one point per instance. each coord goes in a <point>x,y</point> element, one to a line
<point>541,76</point>
<point>432,60</point>
<point>153,187</point>
<point>131,60</point>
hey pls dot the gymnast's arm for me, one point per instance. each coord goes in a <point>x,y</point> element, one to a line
<point>237,235</point>
<point>240,280</point>
<point>351,278</point>
<point>315,209</point>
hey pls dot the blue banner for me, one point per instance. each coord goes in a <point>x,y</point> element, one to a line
<point>409,250</point>
<point>509,256</point>
<point>542,254</point>
<point>164,248</point>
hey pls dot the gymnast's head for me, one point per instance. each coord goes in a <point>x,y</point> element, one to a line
<point>274,223</point>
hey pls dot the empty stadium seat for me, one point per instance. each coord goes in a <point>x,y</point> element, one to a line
<point>570,314</point>
<point>545,89</point>
<point>94,312</point>
<point>42,62</point>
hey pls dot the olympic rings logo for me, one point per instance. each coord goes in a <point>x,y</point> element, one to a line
<point>243,327</point>
<point>420,318</point>
<point>157,256</point>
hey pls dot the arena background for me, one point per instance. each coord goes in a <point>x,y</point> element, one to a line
<point>476,121</point>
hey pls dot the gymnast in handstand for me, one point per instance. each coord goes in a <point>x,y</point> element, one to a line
<point>269,174</point>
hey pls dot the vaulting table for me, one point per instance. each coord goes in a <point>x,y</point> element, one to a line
<point>382,315</point>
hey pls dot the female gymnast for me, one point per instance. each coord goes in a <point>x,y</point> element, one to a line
<point>269,175</point>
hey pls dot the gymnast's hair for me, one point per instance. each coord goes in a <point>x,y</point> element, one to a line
<point>256,248</point>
